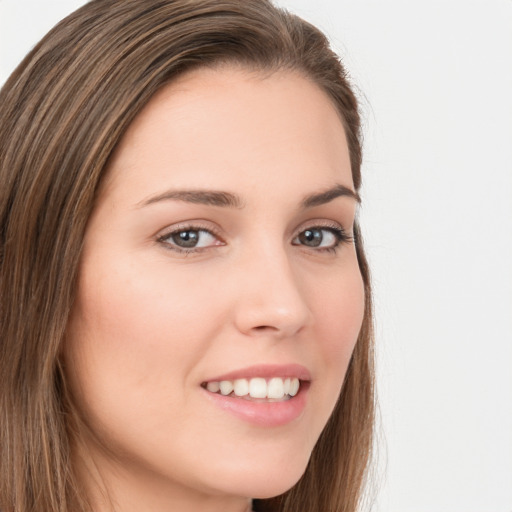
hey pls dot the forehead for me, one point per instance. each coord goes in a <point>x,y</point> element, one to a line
<point>233,127</point>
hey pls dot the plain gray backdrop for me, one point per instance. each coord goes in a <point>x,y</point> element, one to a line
<point>435,82</point>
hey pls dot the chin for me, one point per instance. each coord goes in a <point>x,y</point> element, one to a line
<point>262,481</point>
<point>272,488</point>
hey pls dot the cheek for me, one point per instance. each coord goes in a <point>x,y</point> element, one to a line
<point>136,333</point>
<point>136,313</point>
<point>339,311</point>
<point>132,340</point>
<point>126,337</point>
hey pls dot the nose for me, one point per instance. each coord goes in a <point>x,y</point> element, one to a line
<point>269,299</point>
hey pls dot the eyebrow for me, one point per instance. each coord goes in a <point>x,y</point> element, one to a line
<point>207,197</point>
<point>230,200</point>
<point>328,195</point>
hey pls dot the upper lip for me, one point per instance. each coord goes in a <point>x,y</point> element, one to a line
<point>265,371</point>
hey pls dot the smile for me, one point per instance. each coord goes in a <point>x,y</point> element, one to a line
<point>257,388</point>
<point>266,395</point>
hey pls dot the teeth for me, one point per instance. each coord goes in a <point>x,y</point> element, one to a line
<point>214,387</point>
<point>286,386</point>
<point>258,388</point>
<point>241,387</point>
<point>294,387</point>
<point>275,388</point>
<point>226,386</point>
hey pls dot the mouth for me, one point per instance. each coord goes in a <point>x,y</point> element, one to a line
<point>264,395</point>
<point>257,389</point>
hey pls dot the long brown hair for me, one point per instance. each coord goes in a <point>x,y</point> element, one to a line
<point>62,112</point>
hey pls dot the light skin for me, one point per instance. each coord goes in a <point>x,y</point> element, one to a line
<point>254,170</point>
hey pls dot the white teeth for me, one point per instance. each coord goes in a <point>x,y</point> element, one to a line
<point>258,388</point>
<point>294,387</point>
<point>226,386</point>
<point>276,388</point>
<point>241,387</point>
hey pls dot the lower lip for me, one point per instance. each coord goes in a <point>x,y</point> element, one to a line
<point>264,414</point>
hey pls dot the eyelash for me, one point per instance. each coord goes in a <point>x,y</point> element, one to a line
<point>164,239</point>
<point>341,236</point>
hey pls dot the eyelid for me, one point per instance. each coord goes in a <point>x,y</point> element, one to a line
<point>342,235</point>
<point>323,224</point>
<point>163,236</point>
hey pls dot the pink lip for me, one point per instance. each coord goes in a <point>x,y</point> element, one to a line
<point>266,371</point>
<point>264,414</point>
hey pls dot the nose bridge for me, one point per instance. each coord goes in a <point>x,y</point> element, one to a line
<point>270,300</point>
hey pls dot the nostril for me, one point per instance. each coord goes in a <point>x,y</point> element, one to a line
<point>265,327</point>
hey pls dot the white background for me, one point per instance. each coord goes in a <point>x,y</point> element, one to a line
<point>435,80</point>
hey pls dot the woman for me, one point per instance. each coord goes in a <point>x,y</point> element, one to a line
<point>186,307</point>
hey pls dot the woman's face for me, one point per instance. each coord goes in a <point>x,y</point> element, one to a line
<point>219,254</point>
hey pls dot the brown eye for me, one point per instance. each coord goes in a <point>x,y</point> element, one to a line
<point>190,239</point>
<point>186,239</point>
<point>311,237</point>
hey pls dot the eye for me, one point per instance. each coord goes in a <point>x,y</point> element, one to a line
<point>189,239</point>
<point>322,238</point>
